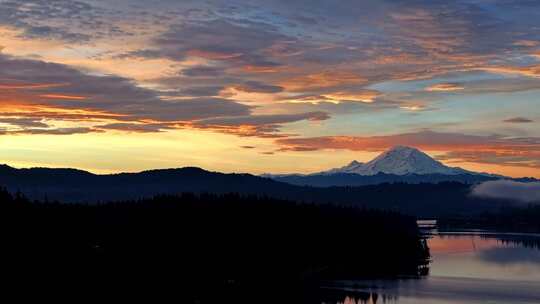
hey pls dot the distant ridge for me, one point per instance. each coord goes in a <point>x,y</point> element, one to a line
<point>357,180</point>
<point>72,185</point>
<point>420,195</point>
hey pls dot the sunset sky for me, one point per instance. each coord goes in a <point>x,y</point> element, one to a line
<point>268,86</point>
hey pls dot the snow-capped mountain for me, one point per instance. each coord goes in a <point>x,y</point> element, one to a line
<point>397,165</point>
<point>399,160</point>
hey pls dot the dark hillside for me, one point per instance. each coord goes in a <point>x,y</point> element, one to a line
<point>73,186</point>
<point>192,242</point>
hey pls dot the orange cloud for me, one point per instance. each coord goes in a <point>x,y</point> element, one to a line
<point>29,86</point>
<point>529,71</point>
<point>263,126</point>
<point>54,113</point>
<point>213,55</point>
<point>262,69</point>
<point>322,80</point>
<point>59,96</point>
<point>413,107</point>
<point>527,43</point>
<point>444,87</point>
<point>361,96</point>
<point>17,85</point>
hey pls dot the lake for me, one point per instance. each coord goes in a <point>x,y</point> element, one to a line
<point>467,267</point>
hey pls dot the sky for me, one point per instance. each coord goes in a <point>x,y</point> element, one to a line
<point>268,86</point>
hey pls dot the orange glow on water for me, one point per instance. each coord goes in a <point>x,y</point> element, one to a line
<point>450,244</point>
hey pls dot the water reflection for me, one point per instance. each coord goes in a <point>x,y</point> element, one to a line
<point>467,267</point>
<point>353,297</point>
<point>359,298</point>
<point>523,241</point>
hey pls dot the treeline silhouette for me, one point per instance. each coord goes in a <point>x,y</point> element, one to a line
<point>204,246</point>
<point>507,218</point>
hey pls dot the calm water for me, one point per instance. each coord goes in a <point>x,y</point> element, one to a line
<point>467,267</point>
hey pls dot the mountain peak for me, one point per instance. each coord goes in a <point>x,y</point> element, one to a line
<point>350,168</point>
<point>354,163</point>
<point>399,160</point>
<point>403,150</point>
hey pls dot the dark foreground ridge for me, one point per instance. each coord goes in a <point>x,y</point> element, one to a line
<point>203,247</point>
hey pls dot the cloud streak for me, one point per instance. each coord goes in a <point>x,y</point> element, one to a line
<point>518,120</point>
<point>265,126</point>
<point>444,87</point>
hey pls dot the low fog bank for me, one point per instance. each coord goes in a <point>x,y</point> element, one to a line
<point>510,190</point>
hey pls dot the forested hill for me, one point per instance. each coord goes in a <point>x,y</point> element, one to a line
<point>70,185</point>
<point>189,242</point>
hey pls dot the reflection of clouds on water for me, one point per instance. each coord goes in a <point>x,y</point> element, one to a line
<point>438,290</point>
<point>358,297</point>
<point>483,255</point>
<point>459,243</point>
<point>349,292</point>
<point>468,267</point>
<point>477,267</point>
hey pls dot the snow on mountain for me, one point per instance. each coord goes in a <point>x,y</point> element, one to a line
<point>350,168</point>
<point>399,160</point>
